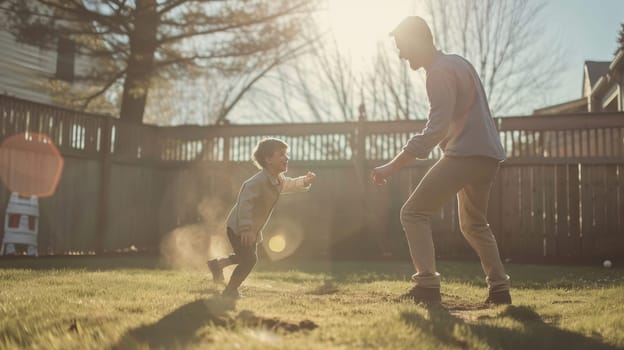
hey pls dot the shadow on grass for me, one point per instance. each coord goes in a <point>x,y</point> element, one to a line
<point>179,329</point>
<point>534,333</point>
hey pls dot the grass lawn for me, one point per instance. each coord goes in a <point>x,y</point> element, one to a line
<point>133,303</point>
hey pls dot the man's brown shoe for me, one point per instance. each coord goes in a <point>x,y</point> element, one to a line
<point>499,298</point>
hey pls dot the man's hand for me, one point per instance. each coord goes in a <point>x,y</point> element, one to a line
<point>248,238</point>
<point>309,177</point>
<point>380,173</point>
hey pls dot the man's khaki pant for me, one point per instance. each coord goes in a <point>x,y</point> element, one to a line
<point>471,179</point>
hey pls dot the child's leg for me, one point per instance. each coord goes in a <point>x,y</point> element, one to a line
<point>216,265</point>
<point>245,257</point>
<point>225,262</point>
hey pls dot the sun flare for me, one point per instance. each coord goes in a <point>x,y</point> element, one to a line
<point>358,25</point>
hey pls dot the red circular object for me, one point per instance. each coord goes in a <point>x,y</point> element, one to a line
<point>30,164</point>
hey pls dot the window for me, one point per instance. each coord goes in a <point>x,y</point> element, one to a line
<point>65,59</point>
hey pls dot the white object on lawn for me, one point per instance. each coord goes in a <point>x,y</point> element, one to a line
<point>21,224</point>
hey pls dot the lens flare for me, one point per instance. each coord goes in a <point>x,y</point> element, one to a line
<point>284,241</point>
<point>277,243</point>
<point>30,164</point>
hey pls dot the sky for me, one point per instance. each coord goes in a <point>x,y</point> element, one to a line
<point>588,32</point>
<point>582,29</point>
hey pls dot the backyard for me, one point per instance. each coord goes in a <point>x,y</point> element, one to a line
<point>135,302</point>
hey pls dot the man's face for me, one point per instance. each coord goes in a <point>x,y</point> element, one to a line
<point>410,50</point>
<point>278,162</point>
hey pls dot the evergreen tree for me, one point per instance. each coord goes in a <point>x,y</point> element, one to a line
<point>621,37</point>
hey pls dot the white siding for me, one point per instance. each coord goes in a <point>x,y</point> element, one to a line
<point>24,68</point>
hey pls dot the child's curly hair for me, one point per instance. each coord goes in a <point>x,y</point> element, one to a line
<point>265,148</point>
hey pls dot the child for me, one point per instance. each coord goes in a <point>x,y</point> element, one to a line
<point>256,200</point>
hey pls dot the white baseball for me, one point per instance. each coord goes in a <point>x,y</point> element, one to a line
<point>607,263</point>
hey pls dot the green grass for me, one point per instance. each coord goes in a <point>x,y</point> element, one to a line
<point>133,303</point>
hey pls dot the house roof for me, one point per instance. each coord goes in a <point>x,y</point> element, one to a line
<point>594,70</point>
<point>597,76</point>
<point>574,106</point>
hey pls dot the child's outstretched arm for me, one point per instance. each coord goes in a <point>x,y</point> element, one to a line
<point>298,184</point>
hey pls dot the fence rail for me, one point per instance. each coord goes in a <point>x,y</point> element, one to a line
<point>82,134</point>
<point>560,194</point>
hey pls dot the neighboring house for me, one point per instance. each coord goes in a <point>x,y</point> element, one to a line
<point>27,70</point>
<point>607,94</point>
<point>603,89</point>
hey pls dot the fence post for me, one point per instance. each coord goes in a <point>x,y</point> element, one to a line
<point>104,190</point>
<point>226,149</point>
<point>360,164</point>
<point>360,134</point>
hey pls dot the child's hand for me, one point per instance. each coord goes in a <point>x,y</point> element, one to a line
<point>248,238</point>
<point>309,177</point>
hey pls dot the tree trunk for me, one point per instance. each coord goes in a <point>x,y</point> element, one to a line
<point>142,40</point>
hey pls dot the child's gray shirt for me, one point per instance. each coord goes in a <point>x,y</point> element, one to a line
<point>257,198</point>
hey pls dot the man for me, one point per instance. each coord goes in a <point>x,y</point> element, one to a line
<point>460,123</point>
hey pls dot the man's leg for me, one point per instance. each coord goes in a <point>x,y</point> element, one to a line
<point>472,204</point>
<point>437,187</point>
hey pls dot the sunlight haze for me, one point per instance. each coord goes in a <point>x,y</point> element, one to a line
<point>359,24</point>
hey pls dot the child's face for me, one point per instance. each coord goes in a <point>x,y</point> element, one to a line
<point>278,162</point>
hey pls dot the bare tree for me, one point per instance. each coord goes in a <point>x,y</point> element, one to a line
<point>502,39</point>
<point>210,98</point>
<point>392,90</point>
<point>325,85</point>
<point>322,82</point>
<point>138,41</point>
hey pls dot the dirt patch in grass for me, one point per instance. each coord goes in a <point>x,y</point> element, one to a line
<point>566,302</point>
<point>249,319</point>
<point>328,287</point>
<point>454,303</point>
<point>179,327</point>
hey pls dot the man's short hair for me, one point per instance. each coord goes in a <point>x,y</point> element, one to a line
<point>266,148</point>
<point>414,26</point>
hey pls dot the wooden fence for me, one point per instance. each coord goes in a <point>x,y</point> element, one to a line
<point>559,195</point>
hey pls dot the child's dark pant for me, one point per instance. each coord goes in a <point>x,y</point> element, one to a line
<point>244,256</point>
